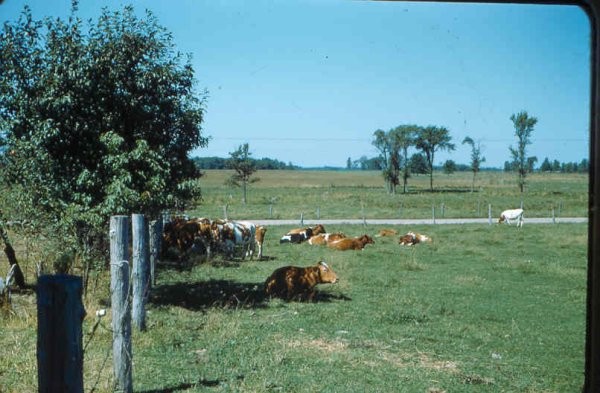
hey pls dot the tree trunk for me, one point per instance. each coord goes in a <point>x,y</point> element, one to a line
<point>12,259</point>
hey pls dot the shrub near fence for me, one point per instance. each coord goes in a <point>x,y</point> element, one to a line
<point>354,194</point>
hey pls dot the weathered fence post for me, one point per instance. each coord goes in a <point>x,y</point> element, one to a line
<point>553,216</point>
<point>59,338</point>
<point>225,212</point>
<point>271,210</point>
<point>301,219</point>
<point>433,212</point>
<point>121,309</point>
<point>141,270</point>
<point>155,233</point>
<point>490,214</point>
<point>442,209</point>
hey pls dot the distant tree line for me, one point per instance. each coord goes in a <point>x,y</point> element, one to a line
<point>222,163</point>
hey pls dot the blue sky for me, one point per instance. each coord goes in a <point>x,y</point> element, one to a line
<point>308,82</point>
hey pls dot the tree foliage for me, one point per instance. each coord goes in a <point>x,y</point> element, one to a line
<point>521,163</point>
<point>95,122</point>
<point>393,147</point>
<point>430,140</point>
<point>244,168</point>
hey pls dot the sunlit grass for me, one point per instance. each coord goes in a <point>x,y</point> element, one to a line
<point>482,308</point>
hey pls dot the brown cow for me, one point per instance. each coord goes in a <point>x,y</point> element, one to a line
<point>351,243</point>
<point>325,238</point>
<point>412,238</point>
<point>387,232</point>
<point>292,282</point>
<point>260,238</point>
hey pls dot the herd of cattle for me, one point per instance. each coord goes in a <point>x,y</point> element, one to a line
<point>244,238</point>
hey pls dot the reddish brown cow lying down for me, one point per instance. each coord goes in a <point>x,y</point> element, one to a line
<point>351,243</point>
<point>292,282</point>
<point>387,232</point>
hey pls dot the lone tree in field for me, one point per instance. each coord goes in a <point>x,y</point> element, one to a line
<point>431,139</point>
<point>244,167</point>
<point>97,119</point>
<point>476,158</point>
<point>520,162</point>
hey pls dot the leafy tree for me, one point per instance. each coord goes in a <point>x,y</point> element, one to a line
<point>555,166</point>
<point>449,167</point>
<point>244,168</point>
<point>393,147</point>
<point>521,163</point>
<point>405,138</point>
<point>546,166</point>
<point>418,164</point>
<point>349,163</point>
<point>431,139</point>
<point>476,158</point>
<point>95,123</point>
<point>388,154</point>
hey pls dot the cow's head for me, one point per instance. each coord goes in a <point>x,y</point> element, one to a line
<point>326,274</point>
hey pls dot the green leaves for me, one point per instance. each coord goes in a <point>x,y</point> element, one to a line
<point>96,121</point>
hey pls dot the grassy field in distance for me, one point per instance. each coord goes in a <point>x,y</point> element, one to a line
<point>354,194</point>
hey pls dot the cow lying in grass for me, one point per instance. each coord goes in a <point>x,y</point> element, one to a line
<point>299,235</point>
<point>412,238</point>
<point>351,243</point>
<point>325,238</point>
<point>293,282</point>
<point>387,232</point>
<point>512,214</point>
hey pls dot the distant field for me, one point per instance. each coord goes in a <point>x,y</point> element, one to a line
<point>354,194</point>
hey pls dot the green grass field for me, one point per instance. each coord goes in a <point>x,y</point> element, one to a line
<point>354,194</point>
<point>481,309</point>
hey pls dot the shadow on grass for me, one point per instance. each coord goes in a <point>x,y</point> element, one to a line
<point>184,386</point>
<point>203,295</point>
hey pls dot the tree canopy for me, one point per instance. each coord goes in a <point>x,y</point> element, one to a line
<point>431,139</point>
<point>521,163</point>
<point>95,121</point>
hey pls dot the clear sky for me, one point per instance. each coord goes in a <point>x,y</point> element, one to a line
<point>309,81</point>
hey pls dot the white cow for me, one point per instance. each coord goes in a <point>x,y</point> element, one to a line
<point>512,214</point>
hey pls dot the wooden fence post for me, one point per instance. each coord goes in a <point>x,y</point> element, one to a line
<point>121,309</point>
<point>271,210</point>
<point>553,216</point>
<point>155,234</point>
<point>60,313</point>
<point>141,269</point>
<point>301,219</point>
<point>433,212</point>
<point>225,212</point>
<point>490,214</point>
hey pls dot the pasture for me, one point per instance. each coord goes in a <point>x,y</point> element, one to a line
<point>354,194</point>
<point>480,309</point>
<point>486,309</point>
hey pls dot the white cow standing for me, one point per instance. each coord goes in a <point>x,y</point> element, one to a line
<point>512,214</point>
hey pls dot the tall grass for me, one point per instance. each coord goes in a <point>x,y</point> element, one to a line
<point>482,308</point>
